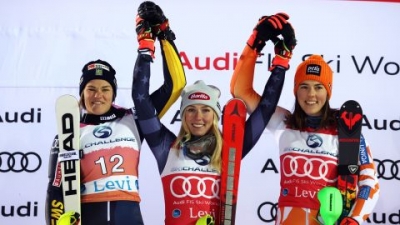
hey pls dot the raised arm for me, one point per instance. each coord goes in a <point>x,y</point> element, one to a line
<point>151,23</point>
<point>262,107</point>
<point>267,28</point>
<point>150,107</point>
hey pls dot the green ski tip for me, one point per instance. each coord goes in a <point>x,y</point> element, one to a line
<point>331,204</point>
<point>205,220</point>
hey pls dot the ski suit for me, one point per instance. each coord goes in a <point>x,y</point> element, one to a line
<point>308,159</point>
<point>111,146</point>
<point>192,190</point>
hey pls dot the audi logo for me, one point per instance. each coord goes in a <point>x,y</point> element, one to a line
<point>313,168</point>
<point>267,211</point>
<point>194,187</point>
<point>19,162</point>
<point>387,169</point>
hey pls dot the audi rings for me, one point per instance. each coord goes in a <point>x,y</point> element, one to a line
<point>267,211</point>
<point>388,169</point>
<point>312,168</point>
<point>19,162</point>
<point>194,187</point>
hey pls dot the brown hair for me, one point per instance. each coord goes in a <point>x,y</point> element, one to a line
<point>297,120</point>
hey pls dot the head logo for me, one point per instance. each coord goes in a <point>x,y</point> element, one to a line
<point>102,132</point>
<point>314,141</point>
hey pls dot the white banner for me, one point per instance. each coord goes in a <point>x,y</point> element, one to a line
<point>44,45</point>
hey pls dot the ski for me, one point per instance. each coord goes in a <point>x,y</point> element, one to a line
<point>68,128</point>
<point>349,134</point>
<point>233,125</point>
<point>331,205</point>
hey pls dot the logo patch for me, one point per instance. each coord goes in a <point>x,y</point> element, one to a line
<point>313,69</point>
<point>199,96</point>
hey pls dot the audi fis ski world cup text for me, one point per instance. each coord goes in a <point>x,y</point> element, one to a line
<point>361,64</point>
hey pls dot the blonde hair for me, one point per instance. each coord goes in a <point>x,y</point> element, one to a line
<point>184,134</point>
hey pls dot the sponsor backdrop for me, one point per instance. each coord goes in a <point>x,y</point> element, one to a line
<point>44,45</point>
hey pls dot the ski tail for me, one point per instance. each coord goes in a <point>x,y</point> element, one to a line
<point>233,125</point>
<point>349,134</point>
<point>68,129</point>
<point>331,205</point>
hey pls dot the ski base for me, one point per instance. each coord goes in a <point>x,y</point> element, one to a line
<point>349,134</point>
<point>233,125</point>
<point>68,128</point>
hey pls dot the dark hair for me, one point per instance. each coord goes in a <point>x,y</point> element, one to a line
<point>297,120</point>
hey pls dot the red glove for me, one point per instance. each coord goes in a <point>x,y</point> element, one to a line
<point>349,221</point>
<point>145,36</point>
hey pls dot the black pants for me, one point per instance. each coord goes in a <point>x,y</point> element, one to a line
<point>112,213</point>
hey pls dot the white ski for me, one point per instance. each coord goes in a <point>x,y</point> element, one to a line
<point>68,127</point>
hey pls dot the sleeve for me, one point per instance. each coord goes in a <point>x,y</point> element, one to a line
<point>54,205</point>
<point>174,78</point>
<point>241,85</point>
<point>158,137</point>
<point>368,185</point>
<point>261,115</point>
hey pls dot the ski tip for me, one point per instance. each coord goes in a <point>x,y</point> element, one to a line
<point>351,103</point>
<point>234,107</point>
<point>65,99</point>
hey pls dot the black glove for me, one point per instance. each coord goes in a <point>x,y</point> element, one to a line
<point>289,36</point>
<point>282,55</point>
<point>159,23</point>
<point>284,47</point>
<point>271,26</point>
<point>268,27</point>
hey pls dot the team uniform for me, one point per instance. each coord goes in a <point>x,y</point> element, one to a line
<point>191,188</point>
<point>308,160</point>
<point>111,146</point>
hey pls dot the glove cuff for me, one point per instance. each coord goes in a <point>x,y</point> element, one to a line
<point>254,42</point>
<point>147,45</point>
<point>280,61</point>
